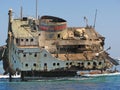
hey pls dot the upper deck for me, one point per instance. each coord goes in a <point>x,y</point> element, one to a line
<point>27,33</point>
<point>23,29</point>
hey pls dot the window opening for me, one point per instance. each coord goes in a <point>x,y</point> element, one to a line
<point>35,55</point>
<point>45,55</point>
<point>22,40</point>
<point>31,40</point>
<point>88,63</point>
<point>100,63</point>
<point>54,64</point>
<point>24,55</point>
<point>34,65</point>
<point>26,40</point>
<point>26,65</point>
<point>58,64</point>
<point>58,36</point>
<point>66,63</point>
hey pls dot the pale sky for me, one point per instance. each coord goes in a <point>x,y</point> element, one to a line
<point>107,23</point>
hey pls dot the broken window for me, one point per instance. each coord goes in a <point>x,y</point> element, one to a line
<point>58,64</point>
<point>35,55</point>
<point>31,40</point>
<point>66,63</point>
<point>58,36</point>
<point>26,40</point>
<point>70,63</point>
<point>100,63</point>
<point>17,40</point>
<point>22,40</point>
<point>54,64</point>
<point>88,63</point>
<point>34,65</point>
<point>26,65</point>
<point>45,55</point>
<point>45,64</point>
<point>24,55</point>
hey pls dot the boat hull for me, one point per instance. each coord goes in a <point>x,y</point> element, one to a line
<point>100,75</point>
<point>64,73</point>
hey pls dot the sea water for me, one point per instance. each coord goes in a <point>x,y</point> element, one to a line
<point>66,83</point>
<point>71,83</point>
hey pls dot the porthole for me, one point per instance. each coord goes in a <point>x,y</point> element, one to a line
<point>88,63</point>
<point>14,61</point>
<point>82,63</point>
<point>26,65</point>
<point>70,63</point>
<point>35,55</point>
<point>66,63</point>
<point>34,65</point>
<point>58,36</point>
<point>24,55</point>
<point>78,64</point>
<point>54,64</point>
<point>31,40</point>
<point>90,39</point>
<point>94,63</point>
<point>45,55</point>
<point>58,64</point>
<point>45,64</point>
<point>26,40</point>
<point>100,63</point>
<point>21,39</point>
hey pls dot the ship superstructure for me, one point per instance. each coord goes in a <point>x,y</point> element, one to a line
<point>47,47</point>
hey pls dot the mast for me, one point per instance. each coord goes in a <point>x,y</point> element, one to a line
<point>21,12</point>
<point>36,9</point>
<point>95,18</point>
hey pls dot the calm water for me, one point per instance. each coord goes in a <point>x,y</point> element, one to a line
<point>75,83</point>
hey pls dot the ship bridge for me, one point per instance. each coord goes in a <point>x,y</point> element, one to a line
<point>25,32</point>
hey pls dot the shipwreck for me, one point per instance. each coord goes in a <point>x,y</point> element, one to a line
<point>47,47</point>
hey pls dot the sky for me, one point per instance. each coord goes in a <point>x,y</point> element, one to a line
<point>107,21</point>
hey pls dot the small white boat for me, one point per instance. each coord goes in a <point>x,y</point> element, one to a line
<point>7,76</point>
<point>103,74</point>
<point>4,76</point>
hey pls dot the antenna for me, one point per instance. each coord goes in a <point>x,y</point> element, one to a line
<point>36,9</point>
<point>21,9</point>
<point>86,21</point>
<point>21,12</point>
<point>95,18</point>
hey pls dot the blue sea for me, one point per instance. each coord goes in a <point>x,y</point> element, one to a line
<point>71,83</point>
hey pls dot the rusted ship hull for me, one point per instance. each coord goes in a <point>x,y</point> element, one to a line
<point>61,73</point>
<point>47,47</point>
